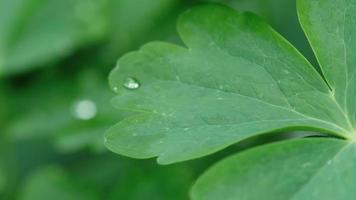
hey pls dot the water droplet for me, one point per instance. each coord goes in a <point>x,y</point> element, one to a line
<point>116,89</point>
<point>220,98</point>
<point>131,83</point>
<point>329,162</point>
<point>85,109</point>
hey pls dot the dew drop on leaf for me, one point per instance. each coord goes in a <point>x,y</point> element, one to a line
<point>84,109</point>
<point>131,83</point>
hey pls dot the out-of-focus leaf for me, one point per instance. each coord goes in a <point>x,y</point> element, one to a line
<point>58,109</point>
<point>137,21</point>
<point>77,139</point>
<point>53,183</point>
<point>35,32</point>
<point>154,182</point>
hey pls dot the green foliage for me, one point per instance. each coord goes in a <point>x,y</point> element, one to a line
<point>54,60</point>
<point>35,32</point>
<point>238,78</point>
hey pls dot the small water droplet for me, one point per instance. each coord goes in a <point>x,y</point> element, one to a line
<point>329,162</point>
<point>84,109</point>
<point>134,134</point>
<point>131,83</point>
<point>220,98</point>
<point>116,89</point>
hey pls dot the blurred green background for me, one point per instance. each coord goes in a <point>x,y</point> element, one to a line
<point>55,56</point>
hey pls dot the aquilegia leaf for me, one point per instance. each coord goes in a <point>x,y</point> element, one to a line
<point>330,27</point>
<point>309,168</point>
<point>302,169</point>
<point>236,78</point>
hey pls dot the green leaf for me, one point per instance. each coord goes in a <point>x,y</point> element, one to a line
<point>296,169</point>
<point>35,32</point>
<point>330,28</point>
<point>236,78</point>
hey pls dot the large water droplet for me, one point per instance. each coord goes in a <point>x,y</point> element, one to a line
<point>131,83</point>
<point>84,109</point>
